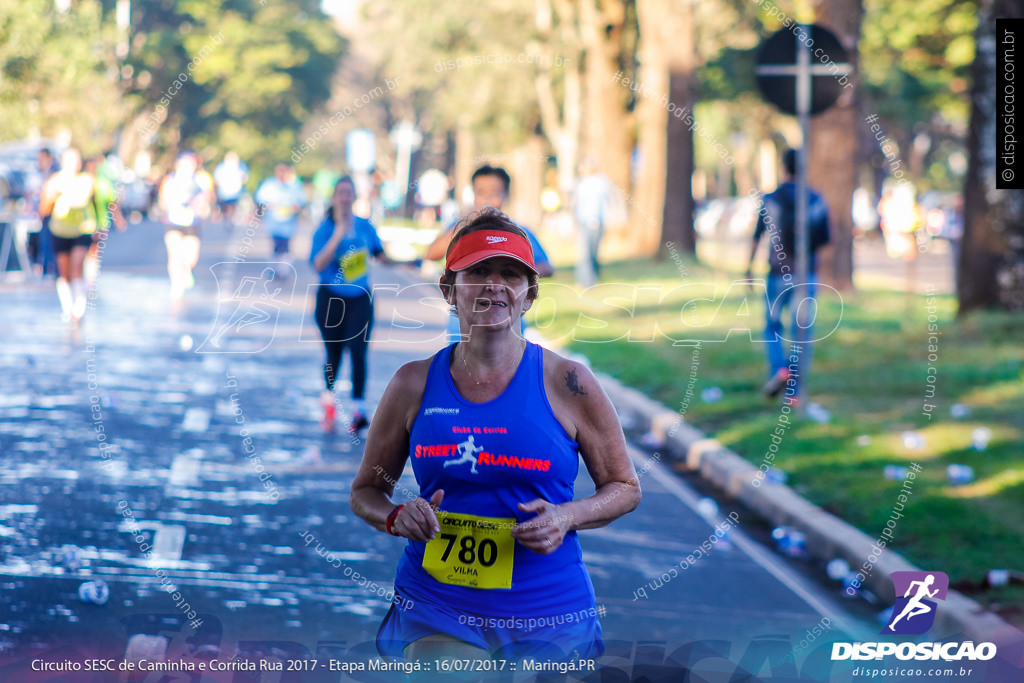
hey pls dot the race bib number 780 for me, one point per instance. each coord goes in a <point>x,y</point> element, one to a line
<point>472,551</point>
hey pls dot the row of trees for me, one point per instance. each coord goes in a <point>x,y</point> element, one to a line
<point>180,74</point>
<point>111,71</point>
<point>914,65</point>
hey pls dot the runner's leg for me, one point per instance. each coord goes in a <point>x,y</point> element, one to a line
<point>63,281</point>
<point>172,240</point>
<point>328,319</point>
<point>356,329</point>
<point>359,324</point>
<point>78,288</point>
<point>190,257</point>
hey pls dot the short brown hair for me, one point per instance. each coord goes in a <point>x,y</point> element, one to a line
<point>485,219</point>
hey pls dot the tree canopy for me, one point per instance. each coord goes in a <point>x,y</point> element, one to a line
<point>255,72</point>
<point>58,72</point>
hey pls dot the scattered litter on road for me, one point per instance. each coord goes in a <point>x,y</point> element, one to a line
<point>310,456</point>
<point>817,413</point>
<point>96,592</point>
<point>707,508</point>
<point>837,568</point>
<point>895,472</point>
<point>790,541</point>
<point>71,557</point>
<point>851,584</point>
<point>998,577</point>
<point>652,440</point>
<point>711,395</point>
<point>913,441</point>
<point>980,438</point>
<point>196,420</point>
<point>959,474</point>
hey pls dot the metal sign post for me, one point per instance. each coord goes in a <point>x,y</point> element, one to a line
<point>788,79</point>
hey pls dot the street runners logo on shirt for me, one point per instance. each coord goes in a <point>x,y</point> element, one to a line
<point>913,614</point>
<point>468,452</point>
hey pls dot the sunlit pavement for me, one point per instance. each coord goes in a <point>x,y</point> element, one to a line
<point>229,534</point>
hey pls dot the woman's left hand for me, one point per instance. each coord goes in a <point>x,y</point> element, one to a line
<point>542,534</point>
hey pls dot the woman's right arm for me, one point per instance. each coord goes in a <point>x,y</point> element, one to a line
<point>48,196</point>
<point>387,449</point>
<point>327,253</point>
<point>439,246</point>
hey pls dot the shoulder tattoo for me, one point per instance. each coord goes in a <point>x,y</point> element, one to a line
<point>572,382</point>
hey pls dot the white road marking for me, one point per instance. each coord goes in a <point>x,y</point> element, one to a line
<point>764,559</point>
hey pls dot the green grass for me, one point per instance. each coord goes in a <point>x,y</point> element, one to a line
<point>870,374</point>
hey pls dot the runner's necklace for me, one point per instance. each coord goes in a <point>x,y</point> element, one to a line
<point>466,365</point>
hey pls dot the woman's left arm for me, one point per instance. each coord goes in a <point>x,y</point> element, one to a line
<point>384,258</point>
<point>377,250</point>
<point>603,449</point>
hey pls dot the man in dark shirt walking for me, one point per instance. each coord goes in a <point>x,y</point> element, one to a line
<point>777,218</point>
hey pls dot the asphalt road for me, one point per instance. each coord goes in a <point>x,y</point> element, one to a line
<point>127,434</point>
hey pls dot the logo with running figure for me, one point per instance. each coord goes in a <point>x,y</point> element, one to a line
<point>914,612</point>
<point>247,318</point>
<point>468,450</point>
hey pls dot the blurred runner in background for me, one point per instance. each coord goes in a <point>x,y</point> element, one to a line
<point>590,207</point>
<point>283,199</point>
<point>323,183</point>
<point>491,186</point>
<point>40,244</point>
<point>185,199</point>
<point>69,200</point>
<point>108,211</point>
<point>230,177</point>
<point>341,251</point>
<point>900,219</point>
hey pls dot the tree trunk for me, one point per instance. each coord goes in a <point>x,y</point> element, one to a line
<point>606,135</point>
<point>528,167</point>
<point>677,225</point>
<point>832,155</point>
<point>562,125</point>
<point>652,121</point>
<point>990,269</point>
<point>466,161</point>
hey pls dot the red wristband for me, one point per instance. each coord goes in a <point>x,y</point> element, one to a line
<point>391,519</point>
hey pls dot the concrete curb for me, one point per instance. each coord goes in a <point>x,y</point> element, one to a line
<point>828,536</point>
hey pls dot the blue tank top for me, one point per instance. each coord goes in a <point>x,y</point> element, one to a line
<point>489,457</point>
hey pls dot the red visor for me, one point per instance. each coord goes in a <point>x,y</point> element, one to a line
<point>484,244</point>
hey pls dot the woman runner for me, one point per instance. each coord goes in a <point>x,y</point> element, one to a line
<point>186,196</point>
<point>341,250</point>
<point>495,427</point>
<point>69,199</point>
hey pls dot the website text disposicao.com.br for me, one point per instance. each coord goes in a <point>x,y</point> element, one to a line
<point>910,673</point>
<point>959,658</point>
